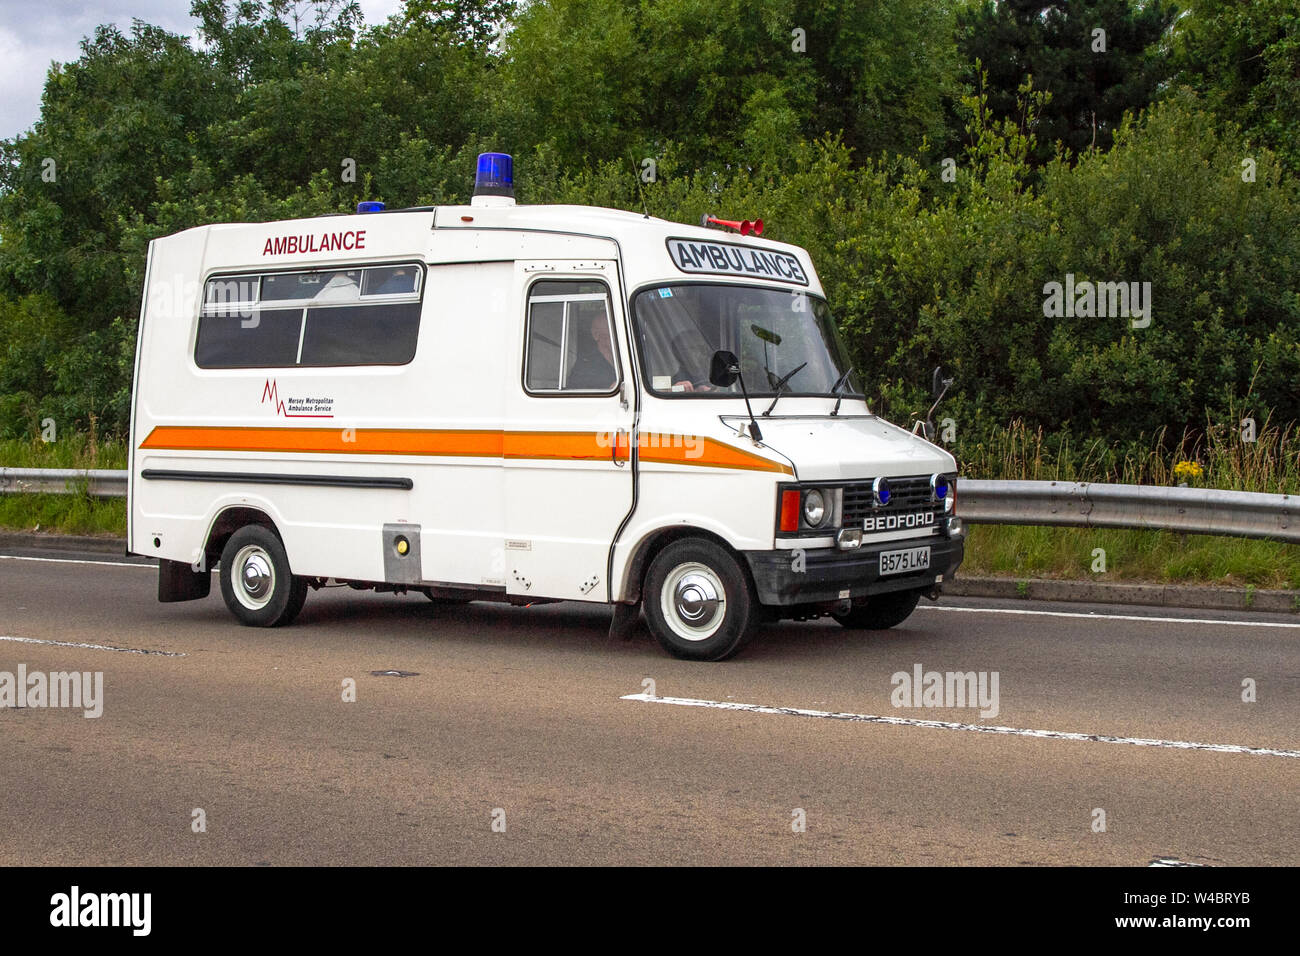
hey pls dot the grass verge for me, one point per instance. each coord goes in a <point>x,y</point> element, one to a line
<point>75,451</point>
<point>63,514</point>
<point>1129,556</point>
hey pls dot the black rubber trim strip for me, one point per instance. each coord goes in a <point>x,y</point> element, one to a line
<point>255,478</point>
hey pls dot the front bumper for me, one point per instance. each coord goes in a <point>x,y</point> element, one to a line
<point>827,574</point>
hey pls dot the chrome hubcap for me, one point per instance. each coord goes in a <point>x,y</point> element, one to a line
<point>253,575</point>
<point>693,601</point>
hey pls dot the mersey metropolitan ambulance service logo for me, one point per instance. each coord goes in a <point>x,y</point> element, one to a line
<point>294,407</point>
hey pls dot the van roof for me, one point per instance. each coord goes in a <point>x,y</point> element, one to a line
<point>592,220</point>
<point>642,239</point>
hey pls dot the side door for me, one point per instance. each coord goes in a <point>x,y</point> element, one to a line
<point>569,410</point>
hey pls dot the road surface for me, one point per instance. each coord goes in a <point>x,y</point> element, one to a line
<point>525,735</point>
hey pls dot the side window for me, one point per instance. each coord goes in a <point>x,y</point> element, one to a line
<point>320,318</point>
<point>364,335</point>
<point>252,338</point>
<point>569,342</point>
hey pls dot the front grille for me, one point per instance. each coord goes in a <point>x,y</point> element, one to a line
<point>906,494</point>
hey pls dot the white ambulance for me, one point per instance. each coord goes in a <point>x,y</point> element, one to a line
<point>522,404</point>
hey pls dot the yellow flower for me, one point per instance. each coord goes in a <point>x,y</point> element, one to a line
<point>1188,469</point>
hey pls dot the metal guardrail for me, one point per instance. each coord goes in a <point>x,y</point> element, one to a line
<point>1072,504</point>
<point>1082,504</point>
<point>96,482</point>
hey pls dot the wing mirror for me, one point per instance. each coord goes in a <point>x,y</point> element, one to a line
<point>939,385</point>
<point>724,369</point>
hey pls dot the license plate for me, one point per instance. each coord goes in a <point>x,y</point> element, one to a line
<point>903,562</point>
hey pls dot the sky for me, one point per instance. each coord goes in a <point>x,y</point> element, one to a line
<point>34,33</point>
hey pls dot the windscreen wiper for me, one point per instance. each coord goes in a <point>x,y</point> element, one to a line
<point>839,384</point>
<point>780,384</point>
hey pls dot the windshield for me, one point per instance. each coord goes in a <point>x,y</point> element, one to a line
<point>772,331</point>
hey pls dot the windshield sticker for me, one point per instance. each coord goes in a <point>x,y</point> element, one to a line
<point>724,258</point>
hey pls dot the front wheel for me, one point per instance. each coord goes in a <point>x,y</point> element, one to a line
<point>698,601</point>
<point>256,582</point>
<point>881,611</point>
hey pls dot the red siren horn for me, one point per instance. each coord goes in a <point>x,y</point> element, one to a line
<point>743,226</point>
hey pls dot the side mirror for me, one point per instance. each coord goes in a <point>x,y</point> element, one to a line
<point>724,369</point>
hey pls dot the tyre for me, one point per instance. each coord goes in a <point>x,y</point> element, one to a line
<point>881,612</point>
<point>256,582</point>
<point>698,601</point>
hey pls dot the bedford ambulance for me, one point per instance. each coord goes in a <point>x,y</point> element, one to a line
<point>522,404</point>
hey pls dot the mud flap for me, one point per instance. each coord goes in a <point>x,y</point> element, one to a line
<point>624,620</point>
<point>178,581</point>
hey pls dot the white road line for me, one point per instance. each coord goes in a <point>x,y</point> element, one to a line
<point>111,564</point>
<point>971,728</point>
<point>1104,617</point>
<point>92,647</point>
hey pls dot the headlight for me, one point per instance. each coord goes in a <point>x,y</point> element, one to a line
<point>939,487</point>
<point>814,508</point>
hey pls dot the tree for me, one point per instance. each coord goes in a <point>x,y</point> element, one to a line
<point>1093,78</point>
<point>727,80</point>
<point>1245,59</point>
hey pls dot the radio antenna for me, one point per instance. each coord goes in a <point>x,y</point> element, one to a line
<point>636,175</point>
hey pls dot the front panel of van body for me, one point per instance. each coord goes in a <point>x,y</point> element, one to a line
<point>794,369</point>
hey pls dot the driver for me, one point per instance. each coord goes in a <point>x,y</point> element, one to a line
<point>593,368</point>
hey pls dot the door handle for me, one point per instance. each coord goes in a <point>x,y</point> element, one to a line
<point>618,440</point>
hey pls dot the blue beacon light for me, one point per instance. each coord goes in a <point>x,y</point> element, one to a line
<point>495,175</point>
<point>370,205</point>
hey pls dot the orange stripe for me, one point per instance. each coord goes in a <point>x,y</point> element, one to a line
<point>574,446</point>
<point>683,450</point>
<point>348,441</point>
<point>566,446</point>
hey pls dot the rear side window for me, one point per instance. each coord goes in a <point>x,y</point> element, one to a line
<point>320,318</point>
<point>364,335</point>
<point>256,338</point>
<point>569,344</point>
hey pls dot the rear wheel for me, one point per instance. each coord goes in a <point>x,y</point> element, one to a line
<point>881,611</point>
<point>256,582</point>
<point>698,601</point>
